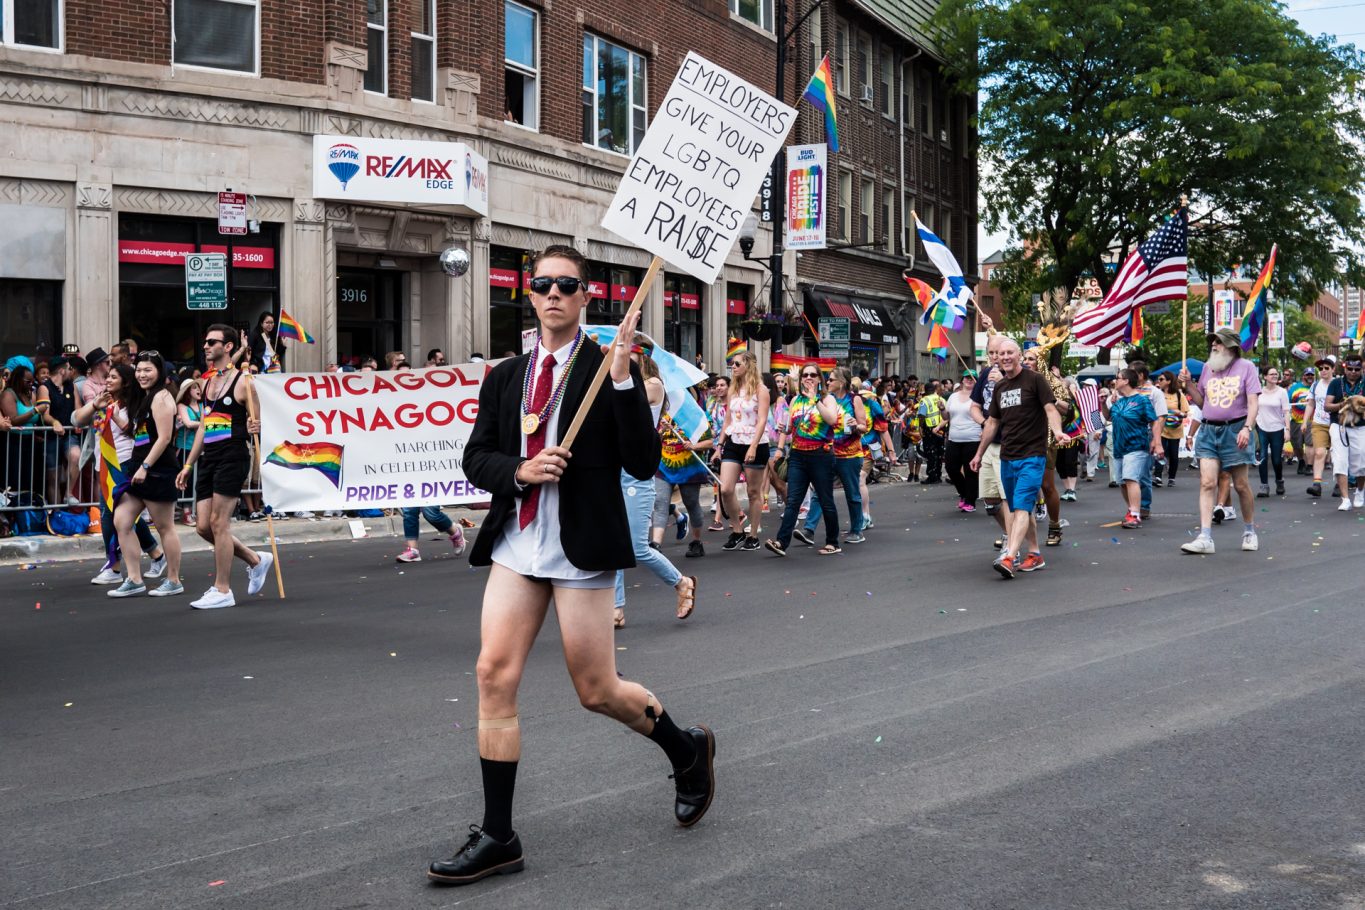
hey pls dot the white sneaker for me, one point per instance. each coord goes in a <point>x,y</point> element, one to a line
<point>168,589</point>
<point>256,575</point>
<point>1345,504</point>
<point>1358,499</point>
<point>307,515</point>
<point>157,568</point>
<point>214,599</point>
<point>107,576</point>
<point>1200,546</point>
<point>1229,513</point>
<point>1250,542</point>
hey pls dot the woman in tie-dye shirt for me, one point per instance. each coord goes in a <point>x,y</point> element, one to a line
<point>814,417</point>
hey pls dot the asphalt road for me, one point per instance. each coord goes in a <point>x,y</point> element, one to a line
<point>897,727</point>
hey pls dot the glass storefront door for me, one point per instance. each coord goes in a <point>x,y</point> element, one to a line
<point>371,312</point>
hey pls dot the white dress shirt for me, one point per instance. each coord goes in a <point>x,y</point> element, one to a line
<point>536,550</point>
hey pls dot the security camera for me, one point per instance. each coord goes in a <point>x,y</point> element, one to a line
<point>747,232</point>
<point>455,261</point>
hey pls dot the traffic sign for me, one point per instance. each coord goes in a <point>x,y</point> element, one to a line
<point>206,281</point>
<point>232,213</point>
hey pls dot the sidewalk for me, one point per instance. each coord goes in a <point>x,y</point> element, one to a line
<point>255,534</point>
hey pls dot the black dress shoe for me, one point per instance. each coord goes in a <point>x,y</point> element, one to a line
<point>480,857</point>
<point>697,784</point>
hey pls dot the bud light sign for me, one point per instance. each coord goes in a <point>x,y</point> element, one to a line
<point>806,219</point>
<point>396,170</point>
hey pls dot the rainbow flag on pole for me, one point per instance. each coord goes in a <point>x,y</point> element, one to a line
<point>1358,331</point>
<point>820,92</point>
<point>1253,317</point>
<point>290,328</point>
<point>324,457</point>
<point>113,481</point>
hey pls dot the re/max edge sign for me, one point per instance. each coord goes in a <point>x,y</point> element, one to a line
<point>399,170</point>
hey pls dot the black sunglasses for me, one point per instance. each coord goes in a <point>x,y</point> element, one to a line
<point>810,375</point>
<point>213,341</point>
<point>566,284</point>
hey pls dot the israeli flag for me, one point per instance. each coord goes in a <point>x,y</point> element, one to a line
<point>956,295</point>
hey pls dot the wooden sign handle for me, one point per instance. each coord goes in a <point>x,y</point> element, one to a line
<point>251,413</point>
<point>605,368</point>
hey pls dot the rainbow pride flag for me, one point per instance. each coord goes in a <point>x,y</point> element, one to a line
<point>820,92</point>
<point>1253,317</point>
<point>1358,331</point>
<point>939,344</point>
<point>289,328</point>
<point>1137,330</point>
<point>324,457</point>
<point>113,481</point>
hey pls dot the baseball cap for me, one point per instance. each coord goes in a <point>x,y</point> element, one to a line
<point>96,357</point>
<point>1309,371</point>
<point>1330,360</point>
<point>71,350</point>
<point>1226,337</point>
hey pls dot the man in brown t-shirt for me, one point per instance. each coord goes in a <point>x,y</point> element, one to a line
<point>1022,409</point>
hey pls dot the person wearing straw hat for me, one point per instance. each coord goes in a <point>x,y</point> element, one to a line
<point>557,529</point>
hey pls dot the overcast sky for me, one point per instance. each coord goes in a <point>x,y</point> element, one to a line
<point>1343,18</point>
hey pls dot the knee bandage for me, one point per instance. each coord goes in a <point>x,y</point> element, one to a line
<point>499,723</point>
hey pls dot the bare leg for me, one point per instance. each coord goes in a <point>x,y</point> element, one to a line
<point>213,521</point>
<point>1243,486</point>
<point>1133,496</point>
<point>1208,489</point>
<point>590,654</point>
<point>756,484</point>
<point>125,516</point>
<point>163,516</point>
<point>514,609</point>
<point>729,481</point>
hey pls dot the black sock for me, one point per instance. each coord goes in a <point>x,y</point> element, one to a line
<point>499,780</point>
<point>677,745</point>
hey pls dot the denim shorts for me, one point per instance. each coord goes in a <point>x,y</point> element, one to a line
<point>1219,443</point>
<point>1132,467</point>
<point>1022,478</point>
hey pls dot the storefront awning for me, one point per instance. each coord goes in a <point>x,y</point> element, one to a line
<point>869,322</point>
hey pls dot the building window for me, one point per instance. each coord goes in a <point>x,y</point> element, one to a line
<point>759,12</point>
<point>218,34</point>
<point>521,65</point>
<point>682,317</point>
<point>889,220</point>
<point>376,45</point>
<point>614,96</point>
<point>924,123</point>
<point>928,216</point>
<point>908,225</point>
<point>845,203</point>
<point>841,59</point>
<point>888,85</point>
<point>865,69</point>
<point>424,53</point>
<point>32,23</point>
<point>30,317</point>
<point>867,211</point>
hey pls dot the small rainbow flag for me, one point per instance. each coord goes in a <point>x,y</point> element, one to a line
<point>321,456</point>
<point>1253,317</point>
<point>820,92</point>
<point>1137,330</point>
<point>938,342</point>
<point>289,328</point>
<point>1358,331</point>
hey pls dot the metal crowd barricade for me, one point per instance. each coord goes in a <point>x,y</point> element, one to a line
<point>34,473</point>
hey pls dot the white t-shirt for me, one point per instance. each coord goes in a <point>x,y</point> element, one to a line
<point>1272,409</point>
<point>961,427</point>
<point>1319,392</point>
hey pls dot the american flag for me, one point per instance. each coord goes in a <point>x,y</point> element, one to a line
<point>1158,270</point>
<point>1088,403</point>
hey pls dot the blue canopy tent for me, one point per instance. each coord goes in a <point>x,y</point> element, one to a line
<point>1196,367</point>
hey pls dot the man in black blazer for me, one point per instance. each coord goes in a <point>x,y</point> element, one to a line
<point>557,529</point>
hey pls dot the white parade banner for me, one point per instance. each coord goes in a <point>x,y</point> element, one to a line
<point>368,440</point>
<point>694,177</point>
<point>1223,313</point>
<point>806,214</point>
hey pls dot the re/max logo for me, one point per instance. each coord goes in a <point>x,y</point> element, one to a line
<point>386,166</point>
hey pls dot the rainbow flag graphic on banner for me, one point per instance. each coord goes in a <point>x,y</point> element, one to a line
<point>290,328</point>
<point>324,457</point>
<point>820,92</point>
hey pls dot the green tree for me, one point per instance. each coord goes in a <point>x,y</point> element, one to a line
<point>1097,115</point>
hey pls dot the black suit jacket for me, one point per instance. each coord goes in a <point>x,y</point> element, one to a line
<point>617,434</point>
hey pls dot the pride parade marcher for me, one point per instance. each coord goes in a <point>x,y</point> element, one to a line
<point>1021,414</point>
<point>1317,422</point>
<point>964,434</point>
<point>557,529</point>
<point>1298,405</point>
<point>814,416</point>
<point>1346,403</point>
<point>1227,394</point>
<point>744,448</point>
<point>848,459</point>
<point>1271,415</point>
<point>1132,420</point>
<point>988,470</point>
<point>876,444</point>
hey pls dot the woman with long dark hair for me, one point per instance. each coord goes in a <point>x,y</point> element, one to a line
<point>112,406</point>
<point>267,354</point>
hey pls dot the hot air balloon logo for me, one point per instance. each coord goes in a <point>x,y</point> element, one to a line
<point>343,160</point>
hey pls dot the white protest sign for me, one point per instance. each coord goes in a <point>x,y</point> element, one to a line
<point>694,177</point>
<point>368,440</point>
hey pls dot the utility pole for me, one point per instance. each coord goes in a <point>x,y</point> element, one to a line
<point>778,175</point>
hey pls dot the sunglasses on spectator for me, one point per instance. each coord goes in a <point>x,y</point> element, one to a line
<point>810,375</point>
<point>566,284</point>
<point>213,341</point>
<point>736,363</point>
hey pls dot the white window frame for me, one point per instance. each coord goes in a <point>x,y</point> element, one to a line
<point>841,61</point>
<point>889,219</point>
<point>635,104</point>
<point>765,14</point>
<point>867,210</point>
<point>534,74</point>
<point>384,30</point>
<point>215,69</point>
<point>867,71</point>
<point>908,233</point>
<point>7,36</point>
<point>431,38</point>
<point>888,84</point>
<point>844,204</point>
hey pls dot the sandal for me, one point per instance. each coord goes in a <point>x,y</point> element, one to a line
<point>687,600</point>
<point>829,549</point>
<point>619,620</point>
<point>1054,537</point>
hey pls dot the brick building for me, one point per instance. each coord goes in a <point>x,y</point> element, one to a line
<point>125,119</point>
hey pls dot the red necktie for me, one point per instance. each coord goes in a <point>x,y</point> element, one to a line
<point>536,441</point>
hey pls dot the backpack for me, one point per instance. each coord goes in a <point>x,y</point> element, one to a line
<point>68,524</point>
<point>29,520</point>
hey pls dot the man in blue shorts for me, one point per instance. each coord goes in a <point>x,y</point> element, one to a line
<point>1021,412</point>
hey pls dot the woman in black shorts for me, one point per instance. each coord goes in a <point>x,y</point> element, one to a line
<point>151,475</point>
<point>744,445</point>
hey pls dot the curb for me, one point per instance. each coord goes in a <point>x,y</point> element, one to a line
<point>255,534</point>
